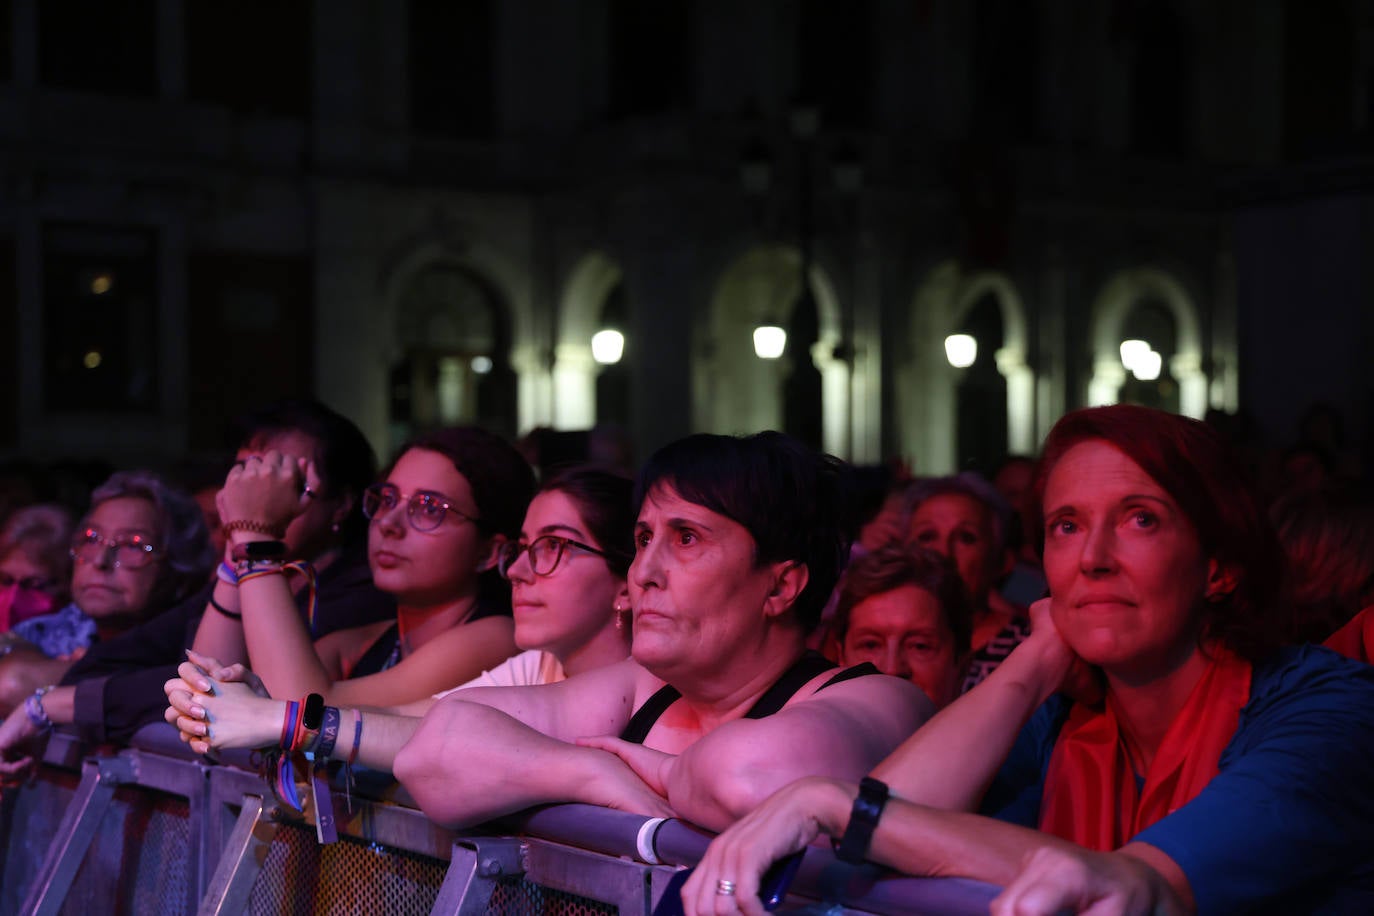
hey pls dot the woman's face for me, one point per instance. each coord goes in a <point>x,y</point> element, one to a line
<point>565,609</point>
<point>1126,570</point>
<point>428,568</point>
<point>960,527</point>
<point>697,594</point>
<point>903,632</point>
<point>27,584</point>
<point>104,584</point>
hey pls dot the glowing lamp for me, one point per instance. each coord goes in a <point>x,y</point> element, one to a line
<point>769,341</point>
<point>961,350</point>
<point>608,346</point>
<point>1148,365</point>
<point>1132,352</point>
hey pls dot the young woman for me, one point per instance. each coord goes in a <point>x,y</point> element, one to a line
<point>567,577</point>
<point>438,523</point>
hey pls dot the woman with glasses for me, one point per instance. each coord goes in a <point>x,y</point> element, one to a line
<point>141,548</point>
<point>567,577</point>
<point>437,524</point>
<point>35,565</point>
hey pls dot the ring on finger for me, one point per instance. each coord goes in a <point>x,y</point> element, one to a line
<point>725,888</point>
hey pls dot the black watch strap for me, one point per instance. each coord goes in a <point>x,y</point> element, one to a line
<point>259,550</point>
<point>312,712</point>
<point>863,820</point>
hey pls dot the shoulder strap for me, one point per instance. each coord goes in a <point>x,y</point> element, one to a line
<point>645,716</point>
<point>851,672</point>
<point>785,687</point>
<point>377,654</point>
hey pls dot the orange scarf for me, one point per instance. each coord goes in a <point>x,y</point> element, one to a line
<point>1090,789</point>
<point>1355,639</point>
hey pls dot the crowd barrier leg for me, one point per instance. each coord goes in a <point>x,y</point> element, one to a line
<point>473,871</point>
<point>99,778</point>
<point>241,859</point>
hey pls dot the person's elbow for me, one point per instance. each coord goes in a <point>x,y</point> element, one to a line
<point>419,768</point>
<point>725,790</point>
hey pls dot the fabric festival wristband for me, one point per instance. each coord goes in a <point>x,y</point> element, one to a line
<point>33,708</point>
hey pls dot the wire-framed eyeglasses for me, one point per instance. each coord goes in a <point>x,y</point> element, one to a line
<point>425,509</point>
<point>131,551</point>
<point>545,553</point>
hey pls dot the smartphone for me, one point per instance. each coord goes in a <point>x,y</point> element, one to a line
<point>772,886</point>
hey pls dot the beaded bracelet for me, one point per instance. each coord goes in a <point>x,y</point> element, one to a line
<point>33,708</point>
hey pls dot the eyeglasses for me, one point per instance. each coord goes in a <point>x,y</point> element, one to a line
<point>131,551</point>
<point>545,553</point>
<point>425,510</point>
<point>28,583</point>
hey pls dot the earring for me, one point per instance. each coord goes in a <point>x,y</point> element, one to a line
<point>335,527</point>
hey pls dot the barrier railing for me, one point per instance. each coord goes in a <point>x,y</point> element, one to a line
<point>152,829</point>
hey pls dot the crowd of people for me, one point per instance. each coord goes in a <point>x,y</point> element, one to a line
<point>1094,679</point>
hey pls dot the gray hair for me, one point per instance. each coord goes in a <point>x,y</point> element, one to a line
<point>182,537</point>
<point>970,484</point>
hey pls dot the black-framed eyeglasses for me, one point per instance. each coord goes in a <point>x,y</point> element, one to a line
<point>28,583</point>
<point>131,551</point>
<point>425,509</point>
<point>545,553</point>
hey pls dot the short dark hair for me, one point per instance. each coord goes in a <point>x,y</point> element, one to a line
<point>344,460</point>
<point>604,501</point>
<point>1190,461</point>
<point>1328,539</point>
<point>502,480</point>
<point>892,566</point>
<point>795,502</point>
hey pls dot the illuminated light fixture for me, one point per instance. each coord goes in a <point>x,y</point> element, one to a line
<point>769,341</point>
<point>1148,365</point>
<point>101,283</point>
<point>961,350</point>
<point>1132,352</point>
<point>91,360</point>
<point>481,364</point>
<point>608,346</point>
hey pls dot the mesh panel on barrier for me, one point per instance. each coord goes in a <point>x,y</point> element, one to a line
<point>518,897</point>
<point>303,878</point>
<point>140,860</point>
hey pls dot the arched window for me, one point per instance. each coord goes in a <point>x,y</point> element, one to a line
<point>454,365</point>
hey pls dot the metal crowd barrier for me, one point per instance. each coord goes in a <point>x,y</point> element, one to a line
<point>151,828</point>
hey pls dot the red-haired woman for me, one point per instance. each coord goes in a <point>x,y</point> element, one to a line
<point>1213,771</point>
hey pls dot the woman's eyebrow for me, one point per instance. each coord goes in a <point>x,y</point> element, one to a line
<point>556,528</point>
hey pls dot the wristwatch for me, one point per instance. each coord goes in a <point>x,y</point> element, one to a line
<point>259,550</point>
<point>863,819</point>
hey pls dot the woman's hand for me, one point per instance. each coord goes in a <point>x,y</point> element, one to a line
<point>789,820</point>
<point>651,766</point>
<point>270,488</point>
<point>1055,880</point>
<point>1073,676</point>
<point>16,757</point>
<point>227,710</point>
<point>616,785</point>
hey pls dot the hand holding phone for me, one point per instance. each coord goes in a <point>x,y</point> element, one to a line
<point>772,886</point>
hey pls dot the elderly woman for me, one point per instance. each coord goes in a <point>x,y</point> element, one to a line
<point>738,545</point>
<point>905,611</point>
<point>141,548</point>
<point>965,519</point>
<point>1211,772</point>
<point>35,566</point>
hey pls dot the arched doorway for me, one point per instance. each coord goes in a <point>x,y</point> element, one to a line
<point>453,367</point>
<point>1148,304</point>
<point>804,391</point>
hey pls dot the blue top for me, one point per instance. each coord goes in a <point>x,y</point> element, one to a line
<point>1287,825</point>
<point>59,633</point>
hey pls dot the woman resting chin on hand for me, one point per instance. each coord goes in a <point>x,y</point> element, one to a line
<point>1186,786</point>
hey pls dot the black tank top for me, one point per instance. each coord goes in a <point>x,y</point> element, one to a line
<point>774,698</point>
